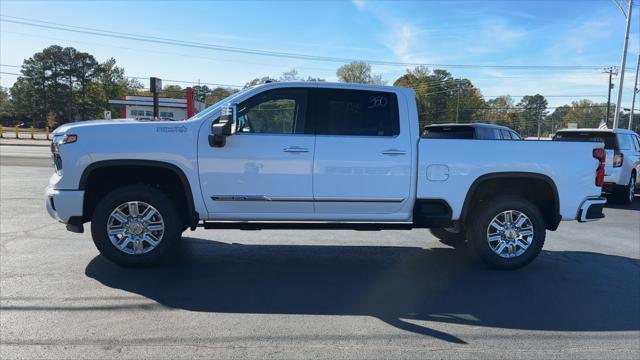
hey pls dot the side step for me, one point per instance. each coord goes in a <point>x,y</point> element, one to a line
<point>244,225</point>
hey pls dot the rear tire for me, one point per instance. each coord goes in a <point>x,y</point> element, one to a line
<point>136,225</point>
<point>457,240</point>
<point>626,194</point>
<point>518,242</point>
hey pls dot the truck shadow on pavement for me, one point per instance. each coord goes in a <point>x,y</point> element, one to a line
<point>612,204</point>
<point>402,286</point>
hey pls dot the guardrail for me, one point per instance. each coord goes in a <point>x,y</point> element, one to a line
<point>24,133</point>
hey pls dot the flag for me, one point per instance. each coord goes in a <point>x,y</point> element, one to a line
<point>603,125</point>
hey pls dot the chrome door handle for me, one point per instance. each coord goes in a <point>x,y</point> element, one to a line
<point>295,149</point>
<point>394,152</point>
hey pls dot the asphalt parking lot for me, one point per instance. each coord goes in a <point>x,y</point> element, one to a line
<point>302,294</point>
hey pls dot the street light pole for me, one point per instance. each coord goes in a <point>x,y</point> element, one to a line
<point>616,117</point>
<point>610,71</point>
<point>635,90</point>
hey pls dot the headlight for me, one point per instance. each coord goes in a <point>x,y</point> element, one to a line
<point>56,142</point>
<point>60,140</point>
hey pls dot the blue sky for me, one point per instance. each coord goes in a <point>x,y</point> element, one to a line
<point>433,32</point>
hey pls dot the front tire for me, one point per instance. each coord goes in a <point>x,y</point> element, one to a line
<point>135,225</point>
<point>507,232</point>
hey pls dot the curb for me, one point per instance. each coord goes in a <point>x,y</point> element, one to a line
<point>19,144</point>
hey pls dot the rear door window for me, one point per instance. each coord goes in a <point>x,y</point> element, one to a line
<point>355,112</point>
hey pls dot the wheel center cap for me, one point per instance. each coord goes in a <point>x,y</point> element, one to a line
<point>136,228</point>
<point>511,234</point>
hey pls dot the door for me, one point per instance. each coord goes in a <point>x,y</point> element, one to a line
<point>363,158</point>
<point>265,170</point>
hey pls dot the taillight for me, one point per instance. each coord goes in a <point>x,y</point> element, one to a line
<point>601,155</point>
<point>618,158</point>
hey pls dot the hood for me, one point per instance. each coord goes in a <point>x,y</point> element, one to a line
<point>86,123</point>
<point>96,124</point>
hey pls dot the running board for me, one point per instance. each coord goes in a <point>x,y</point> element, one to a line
<point>244,225</point>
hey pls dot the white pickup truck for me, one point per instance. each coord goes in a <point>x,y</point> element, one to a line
<point>315,156</point>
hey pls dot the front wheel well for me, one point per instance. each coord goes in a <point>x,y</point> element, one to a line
<point>537,189</point>
<point>100,179</point>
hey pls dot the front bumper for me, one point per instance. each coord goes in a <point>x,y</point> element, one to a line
<point>62,205</point>
<point>591,209</point>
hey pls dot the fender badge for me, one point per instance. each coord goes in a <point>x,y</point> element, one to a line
<point>171,129</point>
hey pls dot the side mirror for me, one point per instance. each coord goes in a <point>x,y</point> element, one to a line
<point>226,126</point>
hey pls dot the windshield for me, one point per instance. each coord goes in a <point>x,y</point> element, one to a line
<point>212,107</point>
<point>608,138</point>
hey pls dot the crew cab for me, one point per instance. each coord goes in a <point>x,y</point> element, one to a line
<point>315,156</point>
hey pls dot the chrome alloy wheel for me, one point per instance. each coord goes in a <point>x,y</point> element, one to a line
<point>135,227</point>
<point>632,188</point>
<point>510,234</point>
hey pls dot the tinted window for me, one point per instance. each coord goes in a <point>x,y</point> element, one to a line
<point>625,142</point>
<point>356,112</point>
<point>607,138</point>
<point>515,136</point>
<point>487,133</point>
<point>449,132</point>
<point>273,112</point>
<point>637,142</point>
<point>505,134</point>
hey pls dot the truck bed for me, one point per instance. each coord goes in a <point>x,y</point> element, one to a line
<point>449,164</point>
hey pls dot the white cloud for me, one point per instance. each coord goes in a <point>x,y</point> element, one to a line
<point>360,4</point>
<point>495,36</point>
<point>582,36</point>
<point>406,39</point>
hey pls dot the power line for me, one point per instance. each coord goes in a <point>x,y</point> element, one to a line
<point>143,78</point>
<point>260,52</point>
<point>190,56</point>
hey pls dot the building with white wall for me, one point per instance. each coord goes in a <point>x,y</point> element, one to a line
<point>141,107</point>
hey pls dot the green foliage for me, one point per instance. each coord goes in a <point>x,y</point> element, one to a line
<point>358,72</point>
<point>585,113</point>
<point>501,111</point>
<point>441,98</point>
<point>5,101</point>
<point>66,84</point>
<point>532,111</point>
<point>218,94</point>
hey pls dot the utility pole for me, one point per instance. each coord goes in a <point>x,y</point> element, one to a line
<point>616,117</point>
<point>458,102</point>
<point>539,118</point>
<point>635,91</point>
<point>610,71</point>
<point>155,85</point>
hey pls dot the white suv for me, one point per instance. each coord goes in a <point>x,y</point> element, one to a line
<point>622,169</point>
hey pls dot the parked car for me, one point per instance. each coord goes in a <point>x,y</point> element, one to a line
<point>480,131</point>
<point>315,156</point>
<point>622,169</point>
